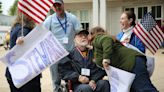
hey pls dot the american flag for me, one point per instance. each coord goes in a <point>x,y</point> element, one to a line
<point>149,33</point>
<point>36,9</point>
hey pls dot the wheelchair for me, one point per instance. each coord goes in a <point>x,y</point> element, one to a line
<point>66,86</point>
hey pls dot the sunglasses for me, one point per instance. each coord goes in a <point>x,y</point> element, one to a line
<point>57,5</point>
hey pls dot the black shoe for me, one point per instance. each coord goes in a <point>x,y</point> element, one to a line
<point>162,52</point>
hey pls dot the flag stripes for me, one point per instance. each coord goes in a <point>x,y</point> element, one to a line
<point>149,33</point>
<point>143,38</point>
<point>152,39</point>
<point>36,9</point>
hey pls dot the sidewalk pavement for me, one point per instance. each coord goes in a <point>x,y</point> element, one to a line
<point>46,83</point>
<point>158,75</point>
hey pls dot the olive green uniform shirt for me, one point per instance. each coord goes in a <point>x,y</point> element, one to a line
<point>120,56</point>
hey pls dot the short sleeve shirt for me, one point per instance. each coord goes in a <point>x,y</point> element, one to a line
<point>72,27</point>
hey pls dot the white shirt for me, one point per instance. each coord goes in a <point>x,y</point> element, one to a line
<point>127,34</point>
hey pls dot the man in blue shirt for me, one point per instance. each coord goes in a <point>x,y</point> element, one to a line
<point>64,26</point>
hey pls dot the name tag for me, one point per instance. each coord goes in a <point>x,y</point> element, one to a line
<point>85,71</point>
<point>65,40</point>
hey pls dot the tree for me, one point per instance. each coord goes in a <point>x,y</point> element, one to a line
<point>13,8</point>
<point>0,7</point>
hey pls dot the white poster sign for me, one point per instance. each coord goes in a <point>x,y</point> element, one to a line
<point>39,50</point>
<point>120,80</point>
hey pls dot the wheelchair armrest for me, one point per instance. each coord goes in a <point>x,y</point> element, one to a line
<point>66,85</point>
<point>70,86</point>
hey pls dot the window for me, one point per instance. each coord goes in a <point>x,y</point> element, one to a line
<point>85,26</point>
<point>83,16</point>
<point>73,12</point>
<point>156,11</point>
<point>141,12</point>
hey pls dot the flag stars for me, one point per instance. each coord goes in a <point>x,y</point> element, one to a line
<point>148,22</point>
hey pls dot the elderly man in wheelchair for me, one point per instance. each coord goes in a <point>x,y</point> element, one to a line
<point>81,73</point>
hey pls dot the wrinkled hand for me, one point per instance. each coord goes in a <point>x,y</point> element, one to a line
<point>83,79</point>
<point>92,84</point>
<point>106,63</point>
<point>106,66</point>
<point>105,78</point>
<point>20,40</point>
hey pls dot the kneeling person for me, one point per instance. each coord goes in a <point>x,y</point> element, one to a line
<point>81,70</point>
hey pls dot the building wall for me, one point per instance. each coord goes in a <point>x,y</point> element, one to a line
<point>113,17</point>
<point>6,20</point>
<point>114,10</point>
<point>76,1</point>
<point>78,7</point>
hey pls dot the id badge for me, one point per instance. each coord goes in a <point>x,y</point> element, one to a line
<point>85,71</point>
<point>65,40</point>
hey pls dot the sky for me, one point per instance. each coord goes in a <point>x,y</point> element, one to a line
<point>6,4</point>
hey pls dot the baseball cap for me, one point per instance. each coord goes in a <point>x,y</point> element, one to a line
<point>58,1</point>
<point>83,32</point>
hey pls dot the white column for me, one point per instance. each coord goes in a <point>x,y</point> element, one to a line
<point>95,15</point>
<point>103,13</point>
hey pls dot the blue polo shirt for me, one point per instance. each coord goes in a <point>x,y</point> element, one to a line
<point>57,26</point>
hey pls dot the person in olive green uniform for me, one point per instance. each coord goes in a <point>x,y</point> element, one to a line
<point>108,50</point>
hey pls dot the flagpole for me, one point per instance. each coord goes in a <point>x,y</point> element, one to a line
<point>22,26</point>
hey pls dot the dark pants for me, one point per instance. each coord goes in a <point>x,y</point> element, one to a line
<point>102,86</point>
<point>142,82</point>
<point>32,86</point>
<point>56,80</point>
<point>55,77</point>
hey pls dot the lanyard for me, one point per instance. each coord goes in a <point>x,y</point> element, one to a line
<point>84,58</point>
<point>64,28</point>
